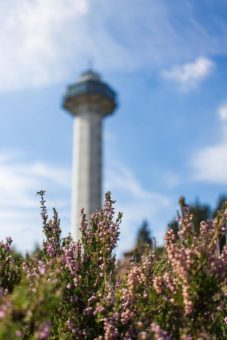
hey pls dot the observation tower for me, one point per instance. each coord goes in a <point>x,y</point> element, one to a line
<point>89,100</point>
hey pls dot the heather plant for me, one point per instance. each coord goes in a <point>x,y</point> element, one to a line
<point>10,269</point>
<point>74,290</point>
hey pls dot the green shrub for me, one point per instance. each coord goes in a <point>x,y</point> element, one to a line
<point>72,290</point>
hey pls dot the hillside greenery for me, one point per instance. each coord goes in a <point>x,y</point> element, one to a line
<point>73,290</point>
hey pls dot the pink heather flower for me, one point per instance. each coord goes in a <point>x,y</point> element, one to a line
<point>42,270</point>
<point>225,319</point>
<point>44,331</point>
<point>159,334</point>
<point>186,337</point>
<point>142,336</point>
<point>18,333</point>
<point>110,330</point>
<point>2,314</point>
<point>158,284</point>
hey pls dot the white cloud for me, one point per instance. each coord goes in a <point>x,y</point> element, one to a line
<point>20,180</point>
<point>189,75</point>
<point>171,179</point>
<point>19,206</point>
<point>222,111</point>
<point>44,42</point>
<point>210,163</point>
<point>32,38</point>
<point>137,204</point>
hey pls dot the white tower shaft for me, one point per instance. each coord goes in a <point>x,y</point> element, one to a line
<point>89,100</point>
<point>87,166</point>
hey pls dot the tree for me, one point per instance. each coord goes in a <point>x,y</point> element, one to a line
<point>144,241</point>
<point>200,212</point>
<point>144,235</point>
<point>221,203</point>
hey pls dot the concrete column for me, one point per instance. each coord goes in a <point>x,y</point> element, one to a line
<point>87,165</point>
<point>89,100</point>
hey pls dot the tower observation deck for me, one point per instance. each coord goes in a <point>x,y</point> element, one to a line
<point>89,100</point>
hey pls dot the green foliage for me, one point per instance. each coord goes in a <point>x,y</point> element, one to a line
<point>200,212</point>
<point>143,235</point>
<point>71,290</point>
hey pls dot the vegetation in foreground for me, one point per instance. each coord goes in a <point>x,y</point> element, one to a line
<point>68,290</point>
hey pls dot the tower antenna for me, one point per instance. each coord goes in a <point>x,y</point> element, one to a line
<point>90,63</point>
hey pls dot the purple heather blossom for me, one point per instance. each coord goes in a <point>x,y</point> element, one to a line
<point>159,333</point>
<point>44,331</point>
<point>2,314</point>
<point>18,333</point>
<point>79,283</point>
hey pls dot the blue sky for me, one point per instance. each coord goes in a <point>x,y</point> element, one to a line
<point>168,62</point>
